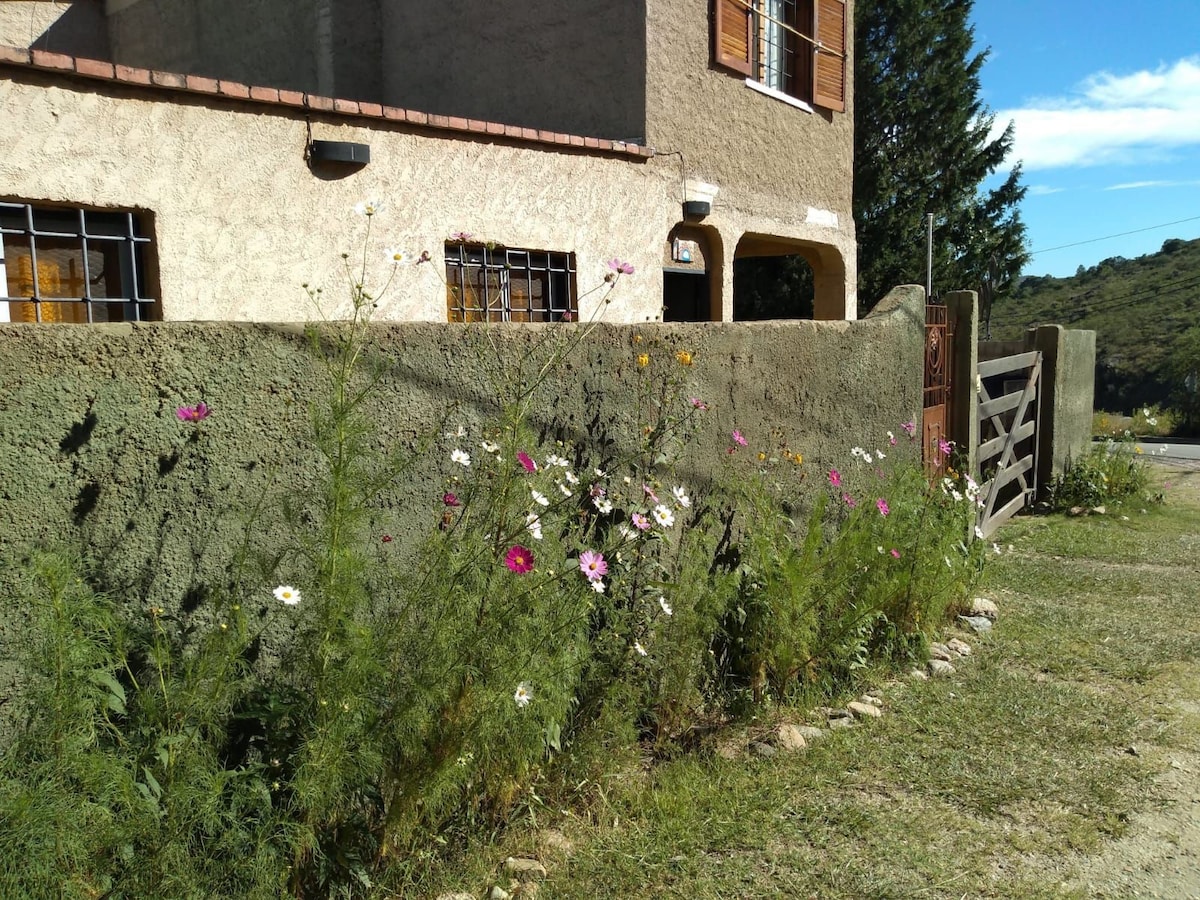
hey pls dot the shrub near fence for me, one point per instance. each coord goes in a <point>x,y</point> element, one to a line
<point>568,594</point>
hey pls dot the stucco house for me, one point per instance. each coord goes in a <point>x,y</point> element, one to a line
<point>182,159</point>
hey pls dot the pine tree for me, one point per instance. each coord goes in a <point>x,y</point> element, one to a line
<point>922,145</point>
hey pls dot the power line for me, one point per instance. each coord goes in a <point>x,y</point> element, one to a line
<point>1104,304</point>
<point>1111,236</point>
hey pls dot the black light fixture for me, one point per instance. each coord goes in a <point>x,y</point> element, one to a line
<point>341,153</point>
<point>696,209</point>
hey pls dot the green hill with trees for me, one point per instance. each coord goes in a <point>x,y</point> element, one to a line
<point>1146,315</point>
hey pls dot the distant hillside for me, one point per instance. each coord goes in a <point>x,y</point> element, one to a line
<point>1138,308</point>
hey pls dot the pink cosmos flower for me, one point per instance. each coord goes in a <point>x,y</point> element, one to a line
<point>910,427</point>
<point>450,499</point>
<point>882,506</point>
<point>849,501</point>
<point>649,492</point>
<point>697,403</point>
<point>197,413</point>
<point>526,461</point>
<point>944,446</point>
<point>835,477</point>
<point>592,565</point>
<point>461,237</point>
<point>641,522</point>
<point>738,439</point>
<point>895,553</point>
<point>519,560</point>
<point>620,266</point>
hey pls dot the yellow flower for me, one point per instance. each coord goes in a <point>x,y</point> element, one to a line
<point>761,456</point>
<point>1137,450</point>
<point>643,359</point>
<point>684,357</point>
<point>637,338</point>
<point>797,459</point>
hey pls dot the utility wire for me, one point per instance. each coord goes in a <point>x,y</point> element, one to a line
<point>1106,304</point>
<point>1110,236</point>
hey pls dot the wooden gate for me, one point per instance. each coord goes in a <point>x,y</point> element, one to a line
<point>935,418</point>
<point>1008,423</point>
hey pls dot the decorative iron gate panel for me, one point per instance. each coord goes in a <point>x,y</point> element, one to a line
<point>939,352</point>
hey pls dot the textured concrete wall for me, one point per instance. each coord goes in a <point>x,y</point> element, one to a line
<point>564,65</point>
<point>92,455</point>
<point>78,29</point>
<point>251,41</point>
<point>240,222</point>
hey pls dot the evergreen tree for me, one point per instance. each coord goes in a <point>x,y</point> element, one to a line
<point>922,145</point>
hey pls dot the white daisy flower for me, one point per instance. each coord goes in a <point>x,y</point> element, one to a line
<point>666,607</point>
<point>459,432</point>
<point>681,496</point>
<point>461,457</point>
<point>996,549</point>
<point>523,694</point>
<point>979,532</point>
<point>287,594</point>
<point>603,505</point>
<point>881,454</point>
<point>600,473</point>
<point>641,651</point>
<point>555,460</point>
<point>489,447</point>
<point>597,586</point>
<point>626,532</point>
<point>571,477</point>
<point>534,524</point>
<point>368,207</point>
<point>396,256</point>
<point>664,516</point>
<point>539,498</point>
<point>562,487</point>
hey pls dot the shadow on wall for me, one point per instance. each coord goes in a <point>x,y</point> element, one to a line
<point>76,29</point>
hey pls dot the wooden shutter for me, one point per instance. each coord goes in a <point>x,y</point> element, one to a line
<point>731,35</point>
<point>829,73</point>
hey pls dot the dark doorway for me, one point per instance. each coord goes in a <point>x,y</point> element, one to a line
<point>772,287</point>
<point>686,296</point>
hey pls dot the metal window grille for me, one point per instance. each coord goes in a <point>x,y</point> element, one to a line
<point>777,45</point>
<point>498,284</point>
<point>72,265</point>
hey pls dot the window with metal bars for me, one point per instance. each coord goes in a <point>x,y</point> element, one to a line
<point>59,264</point>
<point>501,284</point>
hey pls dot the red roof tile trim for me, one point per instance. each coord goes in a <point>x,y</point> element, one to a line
<point>194,84</point>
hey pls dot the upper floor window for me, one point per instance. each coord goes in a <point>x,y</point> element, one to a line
<point>72,265</point>
<point>500,284</point>
<point>794,47</point>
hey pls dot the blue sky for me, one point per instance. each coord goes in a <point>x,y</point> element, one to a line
<point>1106,101</point>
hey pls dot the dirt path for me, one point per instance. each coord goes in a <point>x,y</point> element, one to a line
<point>1159,856</point>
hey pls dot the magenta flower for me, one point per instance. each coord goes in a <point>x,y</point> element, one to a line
<point>910,427</point>
<point>697,403</point>
<point>526,461</point>
<point>387,538</point>
<point>895,553</point>
<point>461,237</point>
<point>620,266</point>
<point>450,499</point>
<point>835,477</point>
<point>649,492</point>
<point>849,501</point>
<point>738,439</point>
<point>197,413</point>
<point>592,565</point>
<point>641,522</point>
<point>519,560</point>
<point>882,506</point>
<point>944,446</point>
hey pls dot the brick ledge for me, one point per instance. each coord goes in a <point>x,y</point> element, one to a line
<point>95,69</point>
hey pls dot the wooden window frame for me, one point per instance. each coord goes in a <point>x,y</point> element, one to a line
<point>822,25</point>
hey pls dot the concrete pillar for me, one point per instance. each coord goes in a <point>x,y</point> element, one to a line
<point>962,309</point>
<point>1067,395</point>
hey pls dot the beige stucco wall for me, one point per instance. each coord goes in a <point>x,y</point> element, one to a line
<point>562,65</point>
<point>240,222</point>
<point>60,26</point>
<point>781,171</point>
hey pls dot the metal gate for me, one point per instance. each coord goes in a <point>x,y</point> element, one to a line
<point>1008,423</point>
<point>935,419</point>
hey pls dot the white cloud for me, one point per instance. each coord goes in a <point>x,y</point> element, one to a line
<point>1135,185</point>
<point>1044,190</point>
<point>1127,119</point>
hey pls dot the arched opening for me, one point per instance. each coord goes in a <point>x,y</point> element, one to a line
<point>691,275</point>
<point>776,278</point>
